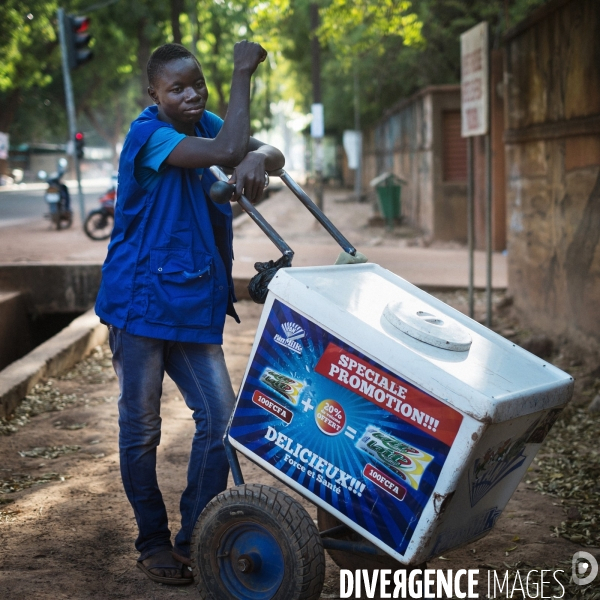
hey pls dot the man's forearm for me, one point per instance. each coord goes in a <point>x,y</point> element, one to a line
<point>233,138</point>
<point>274,159</point>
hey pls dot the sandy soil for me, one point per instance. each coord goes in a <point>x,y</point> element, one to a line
<point>72,535</point>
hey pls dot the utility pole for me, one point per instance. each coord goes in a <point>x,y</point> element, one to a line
<point>471,226</point>
<point>358,175</point>
<point>317,107</point>
<point>64,48</point>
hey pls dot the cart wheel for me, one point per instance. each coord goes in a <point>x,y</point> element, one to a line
<point>357,560</point>
<point>255,542</point>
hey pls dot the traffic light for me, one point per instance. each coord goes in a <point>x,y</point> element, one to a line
<point>79,144</point>
<point>78,40</point>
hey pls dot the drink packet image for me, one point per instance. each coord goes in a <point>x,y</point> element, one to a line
<point>395,454</point>
<point>285,386</point>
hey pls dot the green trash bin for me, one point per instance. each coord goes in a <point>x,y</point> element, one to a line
<point>389,187</point>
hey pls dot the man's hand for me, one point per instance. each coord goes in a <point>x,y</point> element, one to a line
<point>247,56</point>
<point>249,177</point>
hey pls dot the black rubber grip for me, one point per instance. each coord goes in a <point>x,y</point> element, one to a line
<point>221,192</point>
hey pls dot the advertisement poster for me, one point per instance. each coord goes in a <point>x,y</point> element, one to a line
<point>361,438</point>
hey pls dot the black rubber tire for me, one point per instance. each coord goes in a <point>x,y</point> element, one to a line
<point>356,560</point>
<point>286,521</point>
<point>55,218</point>
<point>96,218</point>
<point>66,220</point>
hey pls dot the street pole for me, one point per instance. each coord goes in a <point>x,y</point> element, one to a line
<point>358,176</point>
<point>316,84</point>
<point>62,33</point>
<point>470,223</point>
<point>488,228</point>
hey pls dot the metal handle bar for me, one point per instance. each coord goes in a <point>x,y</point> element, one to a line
<point>331,229</point>
<point>250,209</point>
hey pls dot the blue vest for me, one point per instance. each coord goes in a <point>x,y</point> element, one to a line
<point>167,274</point>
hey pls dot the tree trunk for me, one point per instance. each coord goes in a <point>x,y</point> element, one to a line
<point>216,80</point>
<point>144,45</point>
<point>195,25</point>
<point>8,109</point>
<point>177,8</point>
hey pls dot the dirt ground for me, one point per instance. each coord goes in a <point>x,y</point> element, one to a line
<point>67,530</point>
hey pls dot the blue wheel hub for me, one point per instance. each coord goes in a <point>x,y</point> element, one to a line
<point>250,562</point>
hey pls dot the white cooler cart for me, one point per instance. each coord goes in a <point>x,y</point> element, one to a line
<point>408,424</point>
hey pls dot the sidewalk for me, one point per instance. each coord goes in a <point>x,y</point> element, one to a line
<point>438,266</point>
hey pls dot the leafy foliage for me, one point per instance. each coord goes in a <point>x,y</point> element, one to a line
<point>30,38</point>
<point>354,27</point>
<point>392,47</point>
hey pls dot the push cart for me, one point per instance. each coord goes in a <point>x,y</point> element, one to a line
<point>406,423</point>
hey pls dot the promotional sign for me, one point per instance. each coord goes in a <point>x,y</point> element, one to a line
<point>3,146</point>
<point>352,142</point>
<point>474,80</point>
<point>317,125</point>
<point>359,437</point>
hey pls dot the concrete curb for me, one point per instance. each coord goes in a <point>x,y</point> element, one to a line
<point>49,359</point>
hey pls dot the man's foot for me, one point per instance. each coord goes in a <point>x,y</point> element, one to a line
<point>182,559</point>
<point>164,568</point>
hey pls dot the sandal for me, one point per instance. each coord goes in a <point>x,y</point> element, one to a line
<point>182,580</point>
<point>182,559</point>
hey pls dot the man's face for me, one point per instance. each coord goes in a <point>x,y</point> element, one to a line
<point>180,93</point>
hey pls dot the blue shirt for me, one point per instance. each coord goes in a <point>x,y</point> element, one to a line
<point>150,160</point>
<point>167,274</point>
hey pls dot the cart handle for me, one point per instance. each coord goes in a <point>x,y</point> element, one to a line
<point>250,209</point>
<point>331,229</point>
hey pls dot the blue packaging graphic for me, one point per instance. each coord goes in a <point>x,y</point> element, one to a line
<point>360,438</point>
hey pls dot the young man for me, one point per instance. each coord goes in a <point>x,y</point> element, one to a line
<point>167,286</point>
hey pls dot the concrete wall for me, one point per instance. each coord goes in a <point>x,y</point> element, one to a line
<point>408,142</point>
<point>553,167</point>
<point>51,288</point>
<point>15,337</point>
<point>449,197</point>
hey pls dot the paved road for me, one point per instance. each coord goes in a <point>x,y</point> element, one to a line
<point>25,203</point>
<point>400,251</point>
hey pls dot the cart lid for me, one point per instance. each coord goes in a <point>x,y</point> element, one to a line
<point>426,341</point>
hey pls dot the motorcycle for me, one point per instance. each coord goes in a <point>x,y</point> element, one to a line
<point>57,197</point>
<point>99,222</point>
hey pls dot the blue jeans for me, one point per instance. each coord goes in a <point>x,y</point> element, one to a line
<point>201,375</point>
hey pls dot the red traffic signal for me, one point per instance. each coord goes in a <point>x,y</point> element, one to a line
<point>79,144</point>
<point>78,40</point>
<point>80,24</point>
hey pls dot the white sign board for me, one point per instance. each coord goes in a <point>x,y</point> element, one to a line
<point>352,141</point>
<point>317,126</point>
<point>474,80</point>
<point>3,146</point>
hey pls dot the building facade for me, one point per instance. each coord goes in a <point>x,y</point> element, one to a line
<point>552,141</point>
<point>419,140</point>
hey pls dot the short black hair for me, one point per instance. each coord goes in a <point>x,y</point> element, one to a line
<point>162,55</point>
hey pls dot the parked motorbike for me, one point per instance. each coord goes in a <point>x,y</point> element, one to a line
<point>57,197</point>
<point>99,222</point>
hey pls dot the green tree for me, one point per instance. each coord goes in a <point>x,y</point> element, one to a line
<point>394,47</point>
<point>28,56</point>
